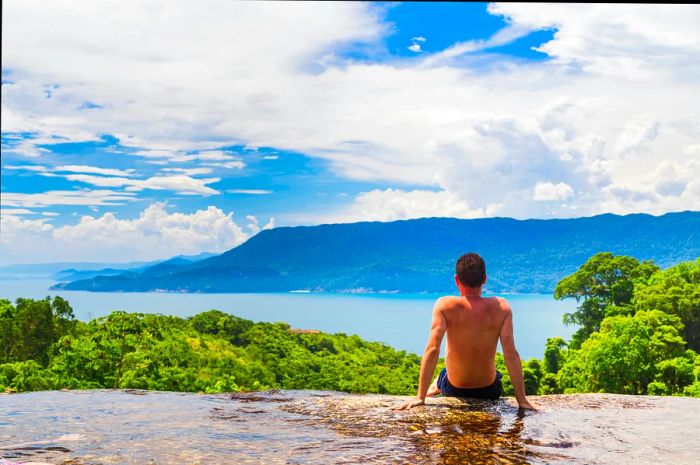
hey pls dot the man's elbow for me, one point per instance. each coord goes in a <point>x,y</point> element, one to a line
<point>431,350</point>
<point>511,356</point>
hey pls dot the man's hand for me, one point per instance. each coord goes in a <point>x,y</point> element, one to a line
<point>526,405</point>
<point>409,404</point>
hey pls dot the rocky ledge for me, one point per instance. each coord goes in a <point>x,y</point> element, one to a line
<point>308,427</point>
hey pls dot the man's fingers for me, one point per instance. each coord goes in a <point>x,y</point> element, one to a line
<point>408,405</point>
<point>403,406</point>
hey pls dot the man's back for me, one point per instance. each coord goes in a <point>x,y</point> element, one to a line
<point>473,328</point>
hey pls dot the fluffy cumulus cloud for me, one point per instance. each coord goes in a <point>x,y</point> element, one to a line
<point>397,204</point>
<point>608,123</point>
<point>390,205</point>
<point>155,234</point>
<point>255,228</point>
<point>547,191</point>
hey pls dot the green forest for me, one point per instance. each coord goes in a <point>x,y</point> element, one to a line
<point>638,333</point>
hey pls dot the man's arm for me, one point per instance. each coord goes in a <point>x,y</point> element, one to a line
<point>512,358</point>
<point>430,355</point>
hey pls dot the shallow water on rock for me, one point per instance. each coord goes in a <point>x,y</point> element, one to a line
<point>305,427</point>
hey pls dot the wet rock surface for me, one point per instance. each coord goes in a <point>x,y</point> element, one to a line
<point>304,427</point>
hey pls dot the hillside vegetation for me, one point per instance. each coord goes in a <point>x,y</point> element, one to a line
<point>638,334</point>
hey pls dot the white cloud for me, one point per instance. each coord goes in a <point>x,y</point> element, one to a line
<point>19,236</point>
<point>213,155</point>
<point>93,170</point>
<point>189,171</point>
<point>635,136</point>
<point>547,191</point>
<point>212,158</point>
<point>418,39</point>
<point>16,211</point>
<point>146,91</point>
<point>618,96</point>
<point>154,153</point>
<point>630,41</point>
<point>693,151</point>
<point>671,179</point>
<point>178,183</point>
<point>29,148</point>
<point>37,168</point>
<point>397,204</point>
<point>236,164</point>
<point>255,228</point>
<point>670,186</point>
<point>414,48</point>
<point>155,234</point>
<point>502,37</point>
<point>249,191</point>
<point>100,197</point>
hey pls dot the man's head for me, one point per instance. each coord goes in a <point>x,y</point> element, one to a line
<point>470,270</point>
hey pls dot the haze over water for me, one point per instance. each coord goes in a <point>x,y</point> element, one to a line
<point>400,320</point>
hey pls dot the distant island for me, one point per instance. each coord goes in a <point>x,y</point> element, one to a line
<point>414,256</point>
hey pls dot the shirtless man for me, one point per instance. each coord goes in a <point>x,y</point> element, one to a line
<point>473,325</point>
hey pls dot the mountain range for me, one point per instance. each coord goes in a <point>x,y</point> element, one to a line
<point>415,256</point>
<point>73,271</point>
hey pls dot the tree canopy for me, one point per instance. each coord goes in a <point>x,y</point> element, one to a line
<point>209,352</point>
<point>675,290</point>
<point>603,286</point>
<point>639,334</point>
<point>639,329</point>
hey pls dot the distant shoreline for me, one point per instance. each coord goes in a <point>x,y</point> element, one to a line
<point>359,292</point>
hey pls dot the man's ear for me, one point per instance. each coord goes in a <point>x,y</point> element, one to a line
<point>485,278</point>
<point>457,281</point>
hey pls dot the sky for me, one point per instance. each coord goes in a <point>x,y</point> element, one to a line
<point>146,129</point>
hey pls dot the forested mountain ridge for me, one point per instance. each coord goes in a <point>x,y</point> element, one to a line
<point>417,255</point>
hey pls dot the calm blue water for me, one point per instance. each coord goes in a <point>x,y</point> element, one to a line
<point>400,320</point>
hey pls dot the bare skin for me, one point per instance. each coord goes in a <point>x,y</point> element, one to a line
<point>473,325</point>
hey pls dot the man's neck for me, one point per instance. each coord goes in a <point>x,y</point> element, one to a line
<point>471,292</point>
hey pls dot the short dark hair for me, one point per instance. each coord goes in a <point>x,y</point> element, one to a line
<point>471,269</point>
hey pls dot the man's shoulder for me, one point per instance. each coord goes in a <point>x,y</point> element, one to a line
<point>447,301</point>
<point>502,303</point>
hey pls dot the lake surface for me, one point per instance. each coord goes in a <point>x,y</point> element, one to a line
<point>400,320</point>
<point>315,427</point>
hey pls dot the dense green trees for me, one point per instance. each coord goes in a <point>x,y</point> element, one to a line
<point>639,329</point>
<point>639,334</point>
<point>676,291</point>
<point>210,352</point>
<point>29,328</point>
<point>625,355</point>
<point>603,286</point>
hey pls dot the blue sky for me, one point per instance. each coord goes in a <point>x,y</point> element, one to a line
<point>357,112</point>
